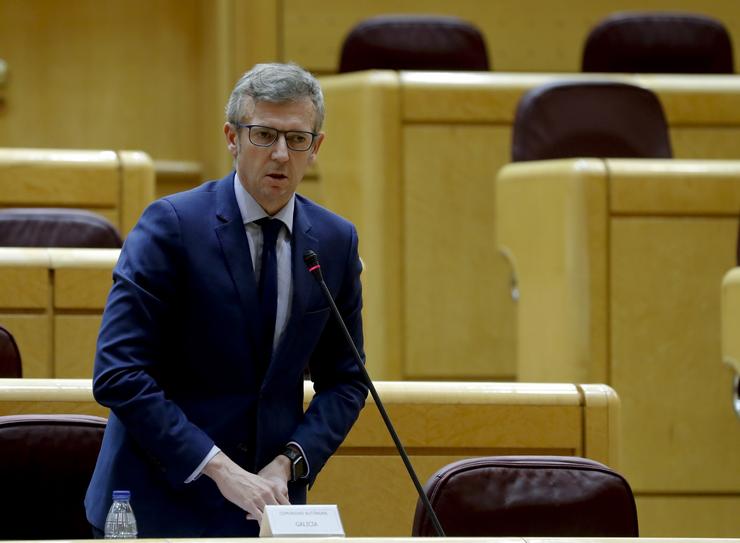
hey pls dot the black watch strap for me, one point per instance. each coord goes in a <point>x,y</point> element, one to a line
<point>297,462</point>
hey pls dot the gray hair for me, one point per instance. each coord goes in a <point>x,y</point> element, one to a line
<point>276,83</point>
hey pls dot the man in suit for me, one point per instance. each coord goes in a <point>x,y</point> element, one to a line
<point>212,320</point>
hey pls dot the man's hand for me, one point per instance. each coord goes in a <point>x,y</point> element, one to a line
<point>249,491</point>
<point>278,471</point>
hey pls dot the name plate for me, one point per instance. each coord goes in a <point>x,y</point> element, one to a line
<point>301,521</point>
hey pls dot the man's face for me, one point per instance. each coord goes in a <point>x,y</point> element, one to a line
<point>271,174</point>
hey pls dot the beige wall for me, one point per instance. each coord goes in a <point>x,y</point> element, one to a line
<point>154,75</point>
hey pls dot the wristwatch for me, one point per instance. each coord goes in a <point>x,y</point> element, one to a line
<point>297,462</point>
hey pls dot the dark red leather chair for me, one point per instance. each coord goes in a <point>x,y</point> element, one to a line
<point>56,227</point>
<point>413,42</point>
<point>536,496</point>
<point>605,119</point>
<point>10,356</point>
<point>658,42</point>
<point>46,462</point>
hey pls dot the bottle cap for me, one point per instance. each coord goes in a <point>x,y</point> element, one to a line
<point>121,494</point>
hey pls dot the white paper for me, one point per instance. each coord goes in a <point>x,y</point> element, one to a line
<point>301,521</point>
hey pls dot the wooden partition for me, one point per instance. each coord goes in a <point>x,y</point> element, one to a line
<point>411,158</point>
<point>730,303</point>
<point>619,263</point>
<point>115,184</point>
<point>52,302</point>
<point>437,422</point>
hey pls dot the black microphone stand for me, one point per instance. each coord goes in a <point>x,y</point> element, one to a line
<point>312,263</point>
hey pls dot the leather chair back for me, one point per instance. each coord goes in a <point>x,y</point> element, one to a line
<point>605,119</point>
<point>56,227</point>
<point>536,496</point>
<point>413,42</point>
<point>658,42</point>
<point>46,462</point>
<point>10,356</point>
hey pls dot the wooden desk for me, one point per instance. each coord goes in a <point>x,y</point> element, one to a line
<point>437,422</point>
<point>52,302</point>
<point>411,158</point>
<point>115,184</point>
<point>619,264</point>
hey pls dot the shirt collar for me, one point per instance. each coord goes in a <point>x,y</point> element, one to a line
<point>251,211</point>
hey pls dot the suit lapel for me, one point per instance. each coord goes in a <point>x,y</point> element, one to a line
<point>235,247</point>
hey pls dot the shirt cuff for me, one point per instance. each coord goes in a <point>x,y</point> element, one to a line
<point>308,466</point>
<point>193,476</point>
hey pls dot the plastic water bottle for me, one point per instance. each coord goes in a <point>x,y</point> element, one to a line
<point>120,522</point>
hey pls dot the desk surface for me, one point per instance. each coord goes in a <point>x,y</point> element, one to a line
<point>464,540</point>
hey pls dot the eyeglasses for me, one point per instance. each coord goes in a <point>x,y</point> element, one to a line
<point>265,136</point>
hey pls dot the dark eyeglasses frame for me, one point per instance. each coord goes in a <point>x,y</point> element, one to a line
<point>277,135</point>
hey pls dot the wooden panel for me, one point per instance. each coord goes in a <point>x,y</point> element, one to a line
<point>75,338</point>
<point>665,353</point>
<point>673,186</point>
<point>456,283</point>
<point>176,176</point>
<point>360,176</point>
<point>710,141</point>
<point>35,285</point>
<point>82,289</point>
<point>688,101</point>
<point>38,177</point>
<point>552,224</point>
<point>33,334</point>
<point>689,516</point>
<point>601,420</point>
<point>24,287</point>
<point>137,187</point>
<point>118,75</point>
<point>79,287</point>
<point>34,396</point>
<point>258,33</point>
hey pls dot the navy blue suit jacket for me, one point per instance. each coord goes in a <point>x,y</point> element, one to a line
<point>177,356</point>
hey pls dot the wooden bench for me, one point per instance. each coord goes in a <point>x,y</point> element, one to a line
<point>437,423</point>
<point>618,263</point>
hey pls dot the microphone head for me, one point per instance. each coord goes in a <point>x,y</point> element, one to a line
<point>311,260</point>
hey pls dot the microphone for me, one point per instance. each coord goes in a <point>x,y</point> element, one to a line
<point>312,263</point>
